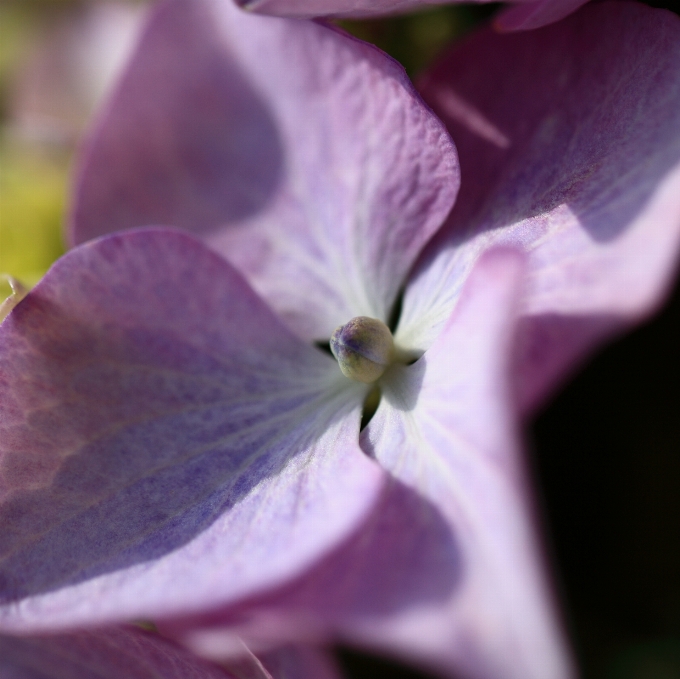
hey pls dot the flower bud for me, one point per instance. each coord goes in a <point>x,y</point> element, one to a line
<point>364,348</point>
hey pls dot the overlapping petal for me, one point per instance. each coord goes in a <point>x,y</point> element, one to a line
<point>522,16</point>
<point>111,653</point>
<point>446,570</point>
<point>301,154</point>
<point>166,443</point>
<point>570,148</point>
<point>527,15</point>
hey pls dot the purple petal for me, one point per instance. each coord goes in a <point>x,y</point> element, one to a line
<point>301,154</point>
<point>287,662</point>
<point>165,443</point>
<point>114,653</point>
<point>446,570</point>
<point>530,15</point>
<point>522,16</point>
<point>334,8</point>
<point>574,155</point>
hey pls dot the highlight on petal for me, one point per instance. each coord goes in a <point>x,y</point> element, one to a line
<point>111,653</point>
<point>445,428</point>
<point>573,154</point>
<point>446,570</point>
<point>301,154</point>
<point>165,442</point>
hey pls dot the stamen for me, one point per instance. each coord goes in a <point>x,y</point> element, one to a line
<point>364,348</point>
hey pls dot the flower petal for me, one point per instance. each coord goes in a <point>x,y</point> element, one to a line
<point>333,8</point>
<point>290,662</point>
<point>446,570</point>
<point>111,653</point>
<point>165,442</point>
<point>301,154</point>
<point>530,15</point>
<point>446,430</point>
<point>574,155</point>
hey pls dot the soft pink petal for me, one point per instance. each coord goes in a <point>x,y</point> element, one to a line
<point>446,570</point>
<point>65,75</point>
<point>165,443</point>
<point>113,653</point>
<point>569,140</point>
<point>301,154</point>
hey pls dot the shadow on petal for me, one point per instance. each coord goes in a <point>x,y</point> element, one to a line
<point>211,157</point>
<point>581,127</point>
<point>132,418</point>
<point>403,556</point>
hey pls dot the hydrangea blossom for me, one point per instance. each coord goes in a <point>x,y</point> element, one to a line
<point>173,444</point>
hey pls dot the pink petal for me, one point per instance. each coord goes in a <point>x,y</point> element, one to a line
<point>114,653</point>
<point>572,153</point>
<point>165,443</point>
<point>64,77</point>
<point>301,154</point>
<point>446,570</point>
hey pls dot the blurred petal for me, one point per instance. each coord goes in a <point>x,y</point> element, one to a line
<point>574,155</point>
<point>165,443</point>
<point>522,16</point>
<point>301,154</point>
<point>529,15</point>
<point>72,67</point>
<point>446,570</point>
<point>113,653</point>
<point>333,8</point>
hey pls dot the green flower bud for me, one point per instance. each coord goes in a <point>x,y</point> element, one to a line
<point>364,348</point>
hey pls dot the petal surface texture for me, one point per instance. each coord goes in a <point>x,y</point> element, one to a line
<point>446,571</point>
<point>573,154</point>
<point>113,653</point>
<point>165,442</point>
<point>301,154</point>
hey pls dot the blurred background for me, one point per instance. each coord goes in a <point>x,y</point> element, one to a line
<point>605,452</point>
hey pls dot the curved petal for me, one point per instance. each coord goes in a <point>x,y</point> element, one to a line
<point>526,16</point>
<point>333,8</point>
<point>287,662</point>
<point>301,154</point>
<point>110,653</point>
<point>574,155</point>
<point>446,570</point>
<point>165,442</point>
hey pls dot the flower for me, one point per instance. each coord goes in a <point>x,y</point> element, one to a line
<point>173,444</point>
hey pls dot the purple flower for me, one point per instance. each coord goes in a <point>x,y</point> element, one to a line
<point>174,446</point>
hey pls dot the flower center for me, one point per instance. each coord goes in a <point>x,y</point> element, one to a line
<point>364,348</point>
